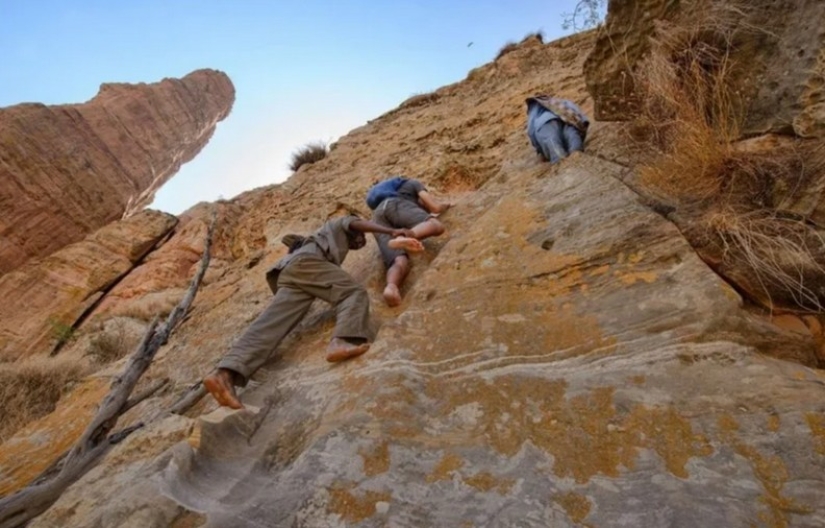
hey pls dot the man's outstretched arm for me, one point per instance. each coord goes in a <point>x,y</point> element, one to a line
<point>366,226</point>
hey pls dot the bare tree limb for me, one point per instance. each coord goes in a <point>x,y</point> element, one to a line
<point>586,14</point>
<point>147,393</point>
<point>18,509</point>
<point>188,399</point>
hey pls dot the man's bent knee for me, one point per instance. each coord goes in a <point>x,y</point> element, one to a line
<point>433,227</point>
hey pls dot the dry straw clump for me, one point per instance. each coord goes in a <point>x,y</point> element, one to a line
<point>30,389</point>
<point>779,253</point>
<point>309,153</point>
<point>146,307</point>
<point>690,116</point>
<point>690,123</point>
<point>116,338</point>
<point>510,46</point>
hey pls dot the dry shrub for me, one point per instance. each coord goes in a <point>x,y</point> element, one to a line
<point>420,99</point>
<point>689,121</point>
<point>779,254</point>
<point>507,48</point>
<point>309,153</point>
<point>30,389</point>
<point>689,116</point>
<point>153,304</point>
<point>117,338</point>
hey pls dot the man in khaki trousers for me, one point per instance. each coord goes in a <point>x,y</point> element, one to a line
<point>311,270</point>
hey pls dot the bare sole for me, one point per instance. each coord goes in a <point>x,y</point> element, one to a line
<point>342,354</point>
<point>221,394</point>
<point>407,244</point>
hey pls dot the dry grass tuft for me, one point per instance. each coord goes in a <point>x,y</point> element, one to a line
<point>420,99</point>
<point>690,122</point>
<point>145,308</point>
<point>30,389</point>
<point>778,252</point>
<point>690,115</point>
<point>508,47</point>
<point>308,154</point>
<point>117,338</point>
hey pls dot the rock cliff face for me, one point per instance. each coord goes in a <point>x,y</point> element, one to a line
<point>562,357</point>
<point>68,170</point>
<point>44,299</point>
<point>777,60</point>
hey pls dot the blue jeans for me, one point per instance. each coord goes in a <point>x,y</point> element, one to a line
<point>556,140</point>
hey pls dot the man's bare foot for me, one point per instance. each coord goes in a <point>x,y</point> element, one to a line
<point>392,295</point>
<point>340,350</point>
<point>221,387</point>
<point>406,243</point>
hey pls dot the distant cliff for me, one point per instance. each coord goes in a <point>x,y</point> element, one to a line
<point>68,170</point>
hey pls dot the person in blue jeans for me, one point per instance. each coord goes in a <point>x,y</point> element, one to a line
<point>556,126</point>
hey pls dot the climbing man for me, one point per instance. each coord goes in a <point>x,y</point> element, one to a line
<point>402,203</point>
<point>556,127</point>
<point>311,269</point>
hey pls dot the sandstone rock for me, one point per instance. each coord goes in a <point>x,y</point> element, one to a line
<point>139,505</point>
<point>603,382</point>
<point>68,170</point>
<point>46,297</point>
<point>776,57</point>
<point>562,357</point>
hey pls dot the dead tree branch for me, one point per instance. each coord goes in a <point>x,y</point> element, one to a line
<point>192,396</point>
<point>18,509</point>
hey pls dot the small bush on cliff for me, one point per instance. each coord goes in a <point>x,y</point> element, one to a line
<point>507,48</point>
<point>61,332</point>
<point>31,388</point>
<point>510,46</point>
<point>309,153</point>
<point>148,306</point>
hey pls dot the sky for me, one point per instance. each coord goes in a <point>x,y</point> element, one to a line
<point>303,70</point>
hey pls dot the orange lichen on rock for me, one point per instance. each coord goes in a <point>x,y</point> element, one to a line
<point>771,472</point>
<point>577,506</point>
<point>445,467</point>
<point>376,461</point>
<point>355,509</point>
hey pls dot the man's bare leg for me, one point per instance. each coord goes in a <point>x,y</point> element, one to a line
<point>395,278</point>
<point>340,349</point>
<point>222,387</point>
<point>407,244</point>
<point>428,228</point>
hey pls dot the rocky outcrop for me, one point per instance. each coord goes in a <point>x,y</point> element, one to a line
<point>562,356</point>
<point>68,170</point>
<point>45,299</point>
<point>614,376</point>
<point>776,62</point>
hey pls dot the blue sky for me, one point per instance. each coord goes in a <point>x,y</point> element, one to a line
<point>303,70</point>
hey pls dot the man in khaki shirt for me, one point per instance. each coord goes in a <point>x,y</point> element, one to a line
<point>312,269</point>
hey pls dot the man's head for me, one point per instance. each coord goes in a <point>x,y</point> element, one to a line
<point>356,239</point>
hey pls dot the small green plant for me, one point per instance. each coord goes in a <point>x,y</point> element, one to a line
<point>61,332</point>
<point>309,153</point>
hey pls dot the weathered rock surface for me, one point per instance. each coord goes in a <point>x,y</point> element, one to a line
<point>68,170</point>
<point>562,357</point>
<point>777,57</point>
<point>44,299</point>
